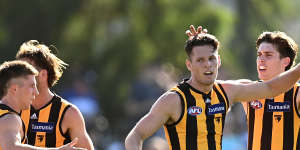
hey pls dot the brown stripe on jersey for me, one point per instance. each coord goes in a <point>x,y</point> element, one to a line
<point>173,138</point>
<point>288,133</point>
<point>223,91</point>
<point>191,121</point>
<point>30,134</point>
<point>211,142</point>
<point>295,101</point>
<point>54,111</point>
<point>267,127</point>
<point>251,113</point>
<point>221,100</point>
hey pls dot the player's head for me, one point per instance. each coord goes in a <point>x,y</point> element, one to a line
<point>40,56</point>
<point>17,79</point>
<point>276,53</point>
<point>203,60</point>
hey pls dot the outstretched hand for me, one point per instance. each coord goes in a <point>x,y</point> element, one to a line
<point>192,31</point>
<point>70,146</point>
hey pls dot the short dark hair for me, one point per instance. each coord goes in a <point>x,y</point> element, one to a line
<point>200,40</point>
<point>285,45</point>
<point>13,69</point>
<point>42,58</point>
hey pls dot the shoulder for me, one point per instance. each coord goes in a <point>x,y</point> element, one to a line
<point>169,98</point>
<point>168,103</point>
<point>10,120</point>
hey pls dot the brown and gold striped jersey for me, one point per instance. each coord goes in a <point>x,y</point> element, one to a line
<point>43,126</point>
<point>201,123</point>
<point>273,124</point>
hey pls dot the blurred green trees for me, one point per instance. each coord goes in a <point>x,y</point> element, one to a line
<point>117,39</point>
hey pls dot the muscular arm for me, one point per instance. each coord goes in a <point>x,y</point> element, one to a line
<point>298,101</point>
<point>165,110</point>
<point>10,137</point>
<point>73,121</point>
<point>237,91</point>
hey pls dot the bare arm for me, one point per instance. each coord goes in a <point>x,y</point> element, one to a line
<point>298,101</point>
<point>162,112</point>
<point>10,137</point>
<point>74,122</point>
<point>237,91</point>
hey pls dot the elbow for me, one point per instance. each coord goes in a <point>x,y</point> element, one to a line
<point>133,141</point>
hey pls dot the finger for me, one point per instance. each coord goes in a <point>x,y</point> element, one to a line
<point>204,31</point>
<point>73,143</point>
<point>188,33</point>
<point>199,29</point>
<point>193,30</point>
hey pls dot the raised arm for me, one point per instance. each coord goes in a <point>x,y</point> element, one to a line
<point>163,111</point>
<point>73,121</point>
<point>10,136</point>
<point>237,91</point>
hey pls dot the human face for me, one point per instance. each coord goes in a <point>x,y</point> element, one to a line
<point>203,64</point>
<point>26,91</point>
<point>268,61</point>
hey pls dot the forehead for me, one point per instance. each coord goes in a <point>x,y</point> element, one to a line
<point>203,51</point>
<point>29,79</point>
<point>267,48</point>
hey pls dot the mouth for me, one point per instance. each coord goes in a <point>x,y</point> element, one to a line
<point>262,68</point>
<point>208,73</point>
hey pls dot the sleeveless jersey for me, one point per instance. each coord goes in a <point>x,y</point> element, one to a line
<point>200,126</point>
<point>273,124</point>
<point>4,110</point>
<point>43,126</point>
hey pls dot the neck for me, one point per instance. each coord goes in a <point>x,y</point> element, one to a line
<point>201,87</point>
<point>10,102</point>
<point>44,97</point>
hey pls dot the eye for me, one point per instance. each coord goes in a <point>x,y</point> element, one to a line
<point>258,54</point>
<point>269,55</point>
<point>200,60</point>
<point>212,58</point>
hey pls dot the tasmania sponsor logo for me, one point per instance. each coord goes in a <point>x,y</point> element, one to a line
<point>194,110</point>
<point>256,104</point>
<point>216,109</point>
<point>42,127</point>
<point>278,106</point>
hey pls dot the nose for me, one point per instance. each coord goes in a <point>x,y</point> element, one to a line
<point>208,64</point>
<point>260,58</point>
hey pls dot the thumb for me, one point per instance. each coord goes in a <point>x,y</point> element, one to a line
<point>73,143</point>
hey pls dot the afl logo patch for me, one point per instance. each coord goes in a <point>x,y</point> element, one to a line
<point>256,104</point>
<point>194,110</point>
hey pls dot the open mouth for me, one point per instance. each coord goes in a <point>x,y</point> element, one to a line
<point>262,68</point>
<point>207,73</point>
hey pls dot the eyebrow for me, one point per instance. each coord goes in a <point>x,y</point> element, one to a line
<point>268,52</point>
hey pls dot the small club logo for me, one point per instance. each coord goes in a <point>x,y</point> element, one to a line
<point>194,110</point>
<point>256,104</point>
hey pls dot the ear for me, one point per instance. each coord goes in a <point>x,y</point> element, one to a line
<point>12,88</point>
<point>43,75</point>
<point>188,64</point>
<point>286,61</point>
<point>219,61</point>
